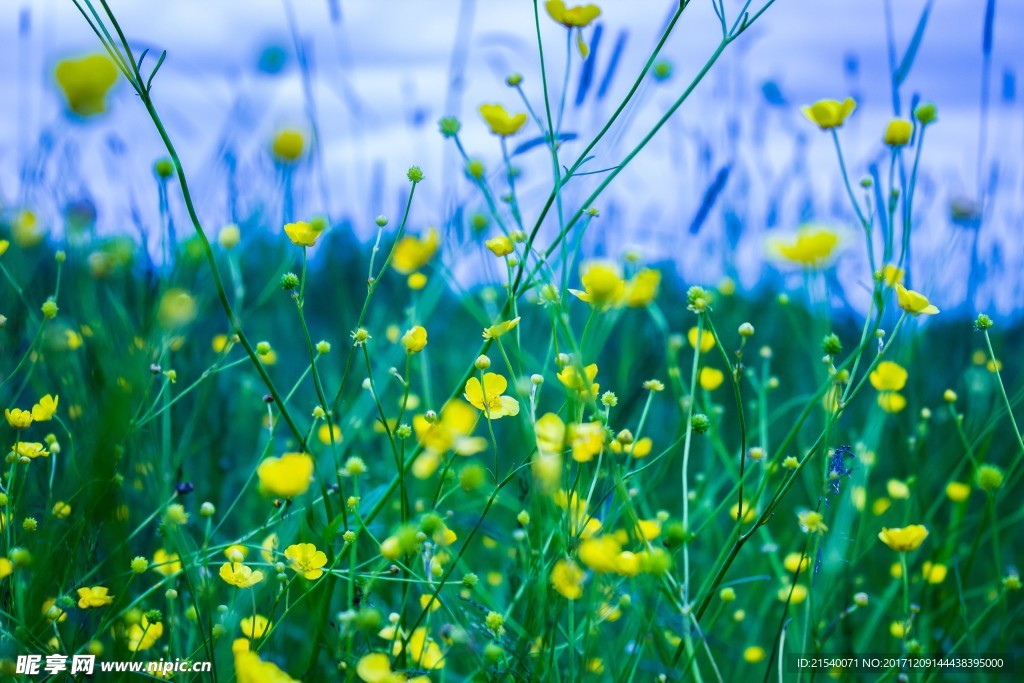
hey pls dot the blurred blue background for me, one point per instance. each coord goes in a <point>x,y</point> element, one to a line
<point>371,80</point>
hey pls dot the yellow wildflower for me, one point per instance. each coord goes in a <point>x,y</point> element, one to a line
<point>500,121</point>
<point>415,339</point>
<point>412,253</point>
<point>305,559</point>
<point>18,418</point>
<point>710,378</point>
<point>829,114</point>
<point>707,340</point>
<point>583,385</point>
<point>891,401</point>
<point>249,668</point>
<point>913,302</point>
<point>812,247</point>
<point>642,288</point>
<point>567,579</point>
<point>602,283</point>
<point>304,234</point>
<point>898,132</point>
<point>166,563</point>
<point>812,522</point>
<point>45,409</point>
<point>95,596</point>
<point>287,476</point>
<point>254,626</point>
<point>239,575</point>
<point>572,17</point>
<point>85,82</point>
<point>903,539</point>
<point>288,145</point>
<point>143,635</point>
<point>934,573</point>
<point>888,376</point>
<point>498,329</point>
<point>488,396</point>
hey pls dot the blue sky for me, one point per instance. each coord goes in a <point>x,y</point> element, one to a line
<point>380,81</point>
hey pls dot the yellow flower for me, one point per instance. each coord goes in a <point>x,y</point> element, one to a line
<point>95,596</point>
<point>898,132</point>
<point>754,654</point>
<point>601,554</point>
<point>45,409</point>
<point>602,283</point>
<point>415,339</point>
<point>642,288</point>
<point>305,559</point>
<point>143,635</point>
<point>934,573</point>
<point>254,626</point>
<point>239,645</point>
<point>177,308</point>
<point>829,114</point>
<point>891,275</point>
<point>711,378</point>
<point>288,145</point>
<point>249,668</point>
<point>236,552</point>
<point>957,491</point>
<point>500,121</point>
<point>796,561</point>
<point>812,522</point>
<point>891,401</point>
<point>551,433</point>
<point>50,609</point>
<point>572,17</point>
<point>500,246</point>
<point>897,489</point>
<point>7,568</point>
<point>61,510</point>
<point>238,575</point>
<point>899,629</point>
<point>287,476</point>
<point>811,247</point>
<point>794,594</point>
<point>85,82</point>
<point>3,246</point>
<point>325,433</point>
<point>488,396</point>
<point>268,548</point>
<point>707,340</point>
<point>583,385</point>
<point>905,539</point>
<point>18,418</point>
<point>166,563</point>
<point>304,234</point>
<point>567,579</point>
<point>412,253</point>
<point>422,650</point>
<point>913,302</point>
<point>26,230</point>
<point>31,450</point>
<point>450,431</point>
<point>637,449</point>
<point>587,440</point>
<point>888,376</point>
<point>498,329</point>
<point>375,668</point>
<point>749,511</point>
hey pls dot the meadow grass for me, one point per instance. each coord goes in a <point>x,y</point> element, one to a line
<point>302,457</point>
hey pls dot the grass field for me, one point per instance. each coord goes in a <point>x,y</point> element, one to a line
<point>298,455</point>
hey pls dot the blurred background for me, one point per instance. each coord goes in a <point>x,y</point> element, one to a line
<point>367,81</point>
